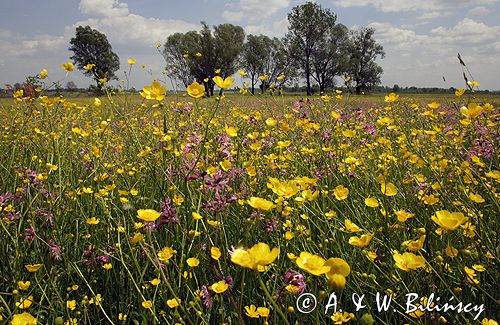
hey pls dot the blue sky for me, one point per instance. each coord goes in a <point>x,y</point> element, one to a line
<point>421,38</point>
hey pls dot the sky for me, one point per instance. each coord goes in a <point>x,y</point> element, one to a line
<point>421,38</point>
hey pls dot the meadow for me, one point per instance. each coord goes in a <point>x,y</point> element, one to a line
<point>130,209</point>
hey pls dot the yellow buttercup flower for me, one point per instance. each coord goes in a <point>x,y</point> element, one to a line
<point>408,261</point>
<point>43,74</point>
<point>260,204</point>
<point>391,98</point>
<point>341,192</point>
<point>256,258</point>
<point>449,220</point>
<point>223,83</point>
<point>33,267</point>
<point>285,189</point>
<point>220,287</point>
<point>173,303</point>
<point>372,202</point>
<point>131,61</point>
<point>362,241</point>
<point>215,253</point>
<point>23,319</point>
<point>24,303</point>
<point>156,91</point>
<point>196,90</point>
<point>166,253</point>
<point>311,263</point>
<point>148,304</point>
<point>89,66</point>
<point>388,189</point>
<point>148,215</point>
<point>23,285</point>
<point>193,262</point>
<point>68,66</point>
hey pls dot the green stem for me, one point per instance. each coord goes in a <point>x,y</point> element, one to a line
<point>268,295</point>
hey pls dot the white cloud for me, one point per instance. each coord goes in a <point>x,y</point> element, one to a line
<point>478,11</point>
<point>103,8</point>
<point>254,10</point>
<point>420,57</point>
<point>411,5</point>
<point>276,29</point>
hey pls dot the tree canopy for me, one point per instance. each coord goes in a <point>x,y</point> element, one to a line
<point>93,55</point>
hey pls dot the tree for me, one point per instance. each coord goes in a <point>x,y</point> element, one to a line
<point>71,86</point>
<point>203,53</point>
<point>363,51</point>
<point>308,25</point>
<point>253,56</point>
<point>92,47</point>
<point>175,52</point>
<point>329,58</point>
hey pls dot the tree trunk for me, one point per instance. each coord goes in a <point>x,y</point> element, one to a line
<point>358,89</point>
<point>253,86</point>
<point>308,77</point>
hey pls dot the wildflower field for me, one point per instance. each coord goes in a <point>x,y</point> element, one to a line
<point>238,209</point>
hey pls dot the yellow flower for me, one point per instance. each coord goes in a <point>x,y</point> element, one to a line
<point>280,77</point>
<point>476,198</point>
<point>68,66</point>
<point>336,281</point>
<point>43,74</point>
<point>196,216</point>
<point>263,78</point>
<point>487,321</point>
<point>97,102</point>
<point>23,285</point>
<point>459,92</point>
<point>433,105</point>
<point>173,303</point>
<point>219,287</point>
<point>33,267</point>
<point>71,304</point>
<point>285,189</point>
<point>107,266</point>
<point>24,303</point>
<point>392,97</point>
<point>92,221</point>
<point>193,262</point>
<point>223,83</point>
<point>231,131</point>
<point>251,311</point>
<point>388,189</point>
<point>147,304</point>
<point>166,253</point>
<point>156,91</point>
<point>260,204</point>
<point>196,90</point>
<point>89,67</point>
<point>255,258</point>
<point>338,266</point>
<point>23,319</point>
<point>342,317</point>
<point>155,282</point>
<point>414,245</point>
<point>362,241</point>
<point>351,226</point>
<point>449,220</point>
<point>215,253</point>
<point>148,215</point>
<point>403,215</point>
<point>408,261</point>
<point>137,238</point>
<point>372,202</point>
<point>198,54</point>
<point>341,192</point>
<point>263,312</point>
<point>311,263</point>
<point>131,61</point>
